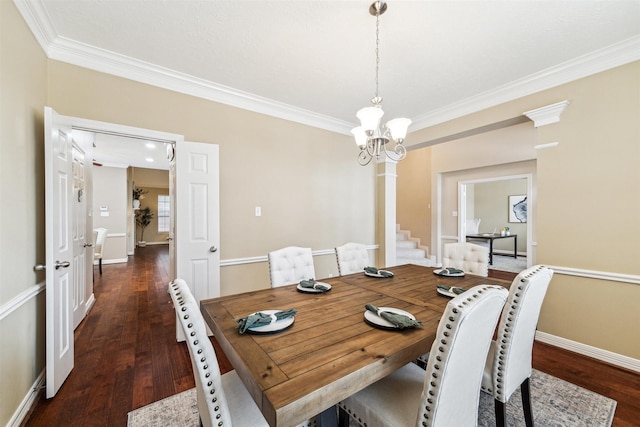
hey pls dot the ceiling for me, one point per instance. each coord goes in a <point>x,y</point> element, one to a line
<point>119,151</point>
<point>313,61</point>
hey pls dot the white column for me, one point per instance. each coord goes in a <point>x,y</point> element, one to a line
<point>386,212</point>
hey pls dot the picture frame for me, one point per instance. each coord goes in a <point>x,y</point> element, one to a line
<point>518,208</point>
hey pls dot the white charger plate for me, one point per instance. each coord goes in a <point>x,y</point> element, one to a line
<point>277,326</point>
<point>378,274</point>
<point>439,272</point>
<point>314,291</point>
<point>377,321</point>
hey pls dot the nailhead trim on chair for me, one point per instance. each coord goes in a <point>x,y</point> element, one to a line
<point>442,350</point>
<point>195,346</point>
<point>503,348</point>
<point>434,382</point>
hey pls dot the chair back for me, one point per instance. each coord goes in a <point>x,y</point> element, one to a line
<point>454,371</point>
<point>470,258</point>
<point>100,237</point>
<point>290,265</point>
<point>352,258</point>
<point>511,363</point>
<point>212,403</point>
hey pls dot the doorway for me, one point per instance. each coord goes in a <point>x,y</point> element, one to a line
<point>485,204</point>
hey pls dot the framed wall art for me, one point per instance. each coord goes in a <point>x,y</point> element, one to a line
<point>518,208</point>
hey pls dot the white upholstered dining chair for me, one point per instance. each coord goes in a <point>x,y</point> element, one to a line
<point>352,258</point>
<point>223,400</point>
<point>509,359</point>
<point>471,258</point>
<point>290,265</point>
<point>447,393</point>
<point>100,238</point>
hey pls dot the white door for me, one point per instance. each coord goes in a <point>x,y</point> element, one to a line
<point>197,216</point>
<point>59,249</point>
<point>172,211</point>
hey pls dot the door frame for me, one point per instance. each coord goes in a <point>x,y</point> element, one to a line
<point>96,126</point>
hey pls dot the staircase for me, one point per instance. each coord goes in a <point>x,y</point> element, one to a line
<point>409,250</point>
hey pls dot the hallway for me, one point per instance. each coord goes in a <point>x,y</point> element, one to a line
<point>126,355</point>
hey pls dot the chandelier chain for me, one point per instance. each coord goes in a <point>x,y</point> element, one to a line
<point>377,50</point>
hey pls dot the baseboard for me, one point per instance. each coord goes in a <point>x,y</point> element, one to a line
<point>89,304</point>
<point>28,402</point>
<point>587,350</point>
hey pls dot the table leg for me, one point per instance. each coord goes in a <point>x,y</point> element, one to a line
<point>328,417</point>
<point>490,251</point>
<point>515,247</point>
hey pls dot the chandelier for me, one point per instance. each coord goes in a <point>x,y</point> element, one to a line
<point>370,137</point>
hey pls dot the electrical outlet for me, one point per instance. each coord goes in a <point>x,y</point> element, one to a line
<point>258,211</point>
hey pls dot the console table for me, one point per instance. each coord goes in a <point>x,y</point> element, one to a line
<point>491,237</point>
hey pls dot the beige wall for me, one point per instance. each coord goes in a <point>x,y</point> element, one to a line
<point>150,199</point>
<point>23,80</point>
<point>413,195</point>
<point>586,211</point>
<point>110,193</point>
<point>307,181</point>
<point>156,182</point>
<point>490,204</point>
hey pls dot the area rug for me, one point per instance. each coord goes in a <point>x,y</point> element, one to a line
<point>556,403</point>
<point>508,263</point>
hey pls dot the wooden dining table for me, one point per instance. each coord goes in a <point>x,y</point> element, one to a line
<point>329,352</point>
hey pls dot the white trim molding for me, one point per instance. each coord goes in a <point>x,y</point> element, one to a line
<point>548,114</point>
<point>587,350</point>
<point>547,145</point>
<point>264,258</point>
<point>594,274</point>
<point>16,302</point>
<point>27,403</point>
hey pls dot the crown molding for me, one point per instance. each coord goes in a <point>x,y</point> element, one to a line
<point>548,114</point>
<point>616,55</point>
<point>82,55</point>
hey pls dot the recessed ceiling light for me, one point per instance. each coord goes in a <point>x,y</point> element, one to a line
<point>149,159</point>
<point>150,145</point>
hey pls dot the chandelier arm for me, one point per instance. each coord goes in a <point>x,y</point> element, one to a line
<point>399,152</point>
<point>363,158</point>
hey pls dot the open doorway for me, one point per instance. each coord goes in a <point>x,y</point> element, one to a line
<point>124,161</point>
<point>499,206</point>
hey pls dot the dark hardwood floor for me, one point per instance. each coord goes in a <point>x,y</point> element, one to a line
<point>126,355</point>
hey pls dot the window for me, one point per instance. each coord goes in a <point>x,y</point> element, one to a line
<point>164,205</point>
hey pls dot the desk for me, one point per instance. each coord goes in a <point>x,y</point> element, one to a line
<point>329,353</point>
<point>491,238</point>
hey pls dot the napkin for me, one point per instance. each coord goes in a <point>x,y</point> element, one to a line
<point>261,319</point>
<point>450,270</point>
<point>373,270</point>
<point>453,289</point>
<point>311,283</point>
<point>399,320</point>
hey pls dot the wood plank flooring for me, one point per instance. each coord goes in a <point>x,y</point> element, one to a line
<point>126,355</point>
